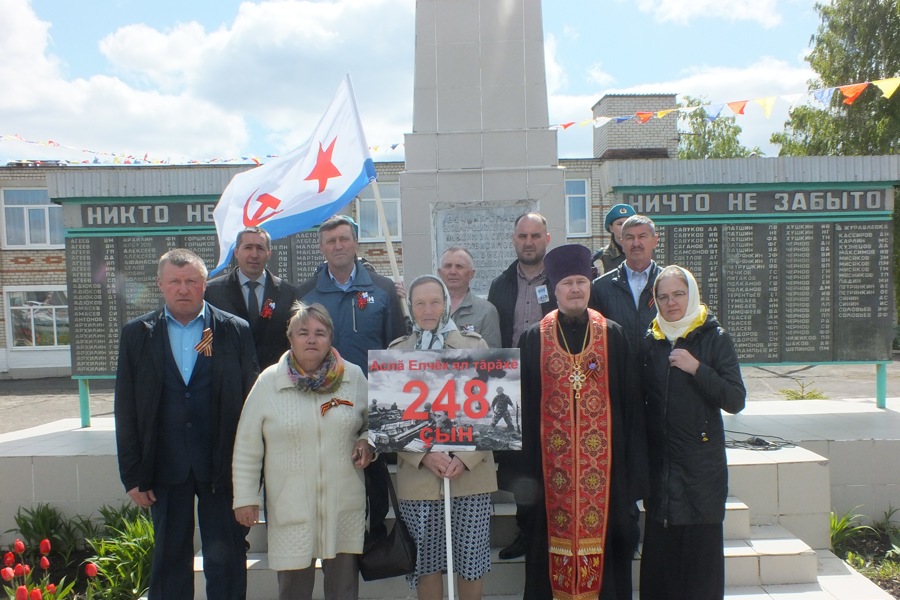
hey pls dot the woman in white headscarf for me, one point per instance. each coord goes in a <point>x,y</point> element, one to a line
<point>420,475</point>
<point>690,373</point>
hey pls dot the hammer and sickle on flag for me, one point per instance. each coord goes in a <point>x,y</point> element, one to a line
<point>266,209</point>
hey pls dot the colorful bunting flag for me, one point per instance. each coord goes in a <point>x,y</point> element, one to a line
<point>737,107</point>
<point>767,105</point>
<point>852,92</point>
<point>824,95</point>
<point>713,112</point>
<point>887,86</point>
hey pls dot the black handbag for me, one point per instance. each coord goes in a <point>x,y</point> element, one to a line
<point>391,555</point>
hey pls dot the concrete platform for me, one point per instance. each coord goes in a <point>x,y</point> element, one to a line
<point>846,446</point>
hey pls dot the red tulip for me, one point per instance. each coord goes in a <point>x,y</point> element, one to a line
<point>9,559</point>
<point>36,594</point>
<point>19,570</point>
<point>22,593</point>
<point>45,546</point>
<point>19,546</point>
<point>90,570</point>
<point>7,574</point>
<point>45,563</point>
<point>27,569</point>
<point>51,588</point>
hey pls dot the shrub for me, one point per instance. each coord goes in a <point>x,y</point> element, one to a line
<point>122,558</point>
<point>845,529</point>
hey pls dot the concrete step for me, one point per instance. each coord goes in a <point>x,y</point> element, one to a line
<point>737,519</point>
<point>835,580</point>
<point>262,583</point>
<point>770,555</point>
<point>504,529</point>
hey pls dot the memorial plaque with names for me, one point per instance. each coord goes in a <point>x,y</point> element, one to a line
<point>795,275</point>
<point>112,280</point>
<point>485,231</point>
<point>793,292</point>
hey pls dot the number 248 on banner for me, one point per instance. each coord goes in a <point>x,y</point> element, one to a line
<point>475,405</point>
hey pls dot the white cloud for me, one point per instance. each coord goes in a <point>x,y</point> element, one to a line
<point>598,76</point>
<point>556,73</point>
<point>765,77</point>
<point>764,12</point>
<point>570,32</point>
<point>199,94</point>
<point>279,62</point>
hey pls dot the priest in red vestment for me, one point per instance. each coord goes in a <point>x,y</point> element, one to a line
<point>583,436</point>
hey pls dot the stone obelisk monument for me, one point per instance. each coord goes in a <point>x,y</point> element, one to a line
<point>480,153</point>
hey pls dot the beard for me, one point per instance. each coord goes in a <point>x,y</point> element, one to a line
<point>578,319</point>
<point>538,258</point>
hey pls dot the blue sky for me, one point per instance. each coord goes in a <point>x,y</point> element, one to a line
<point>209,79</point>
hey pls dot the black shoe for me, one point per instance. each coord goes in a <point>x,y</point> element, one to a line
<point>516,549</point>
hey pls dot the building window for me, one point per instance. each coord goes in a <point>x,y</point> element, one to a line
<point>369,223</point>
<point>31,220</point>
<point>38,317</point>
<point>578,208</point>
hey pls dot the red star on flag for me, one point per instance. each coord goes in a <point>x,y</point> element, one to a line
<point>324,169</point>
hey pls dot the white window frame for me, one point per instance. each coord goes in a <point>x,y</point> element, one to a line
<point>587,209</point>
<point>390,196</point>
<point>35,310</point>
<point>45,208</point>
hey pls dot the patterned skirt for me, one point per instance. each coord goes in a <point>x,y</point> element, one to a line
<point>471,529</point>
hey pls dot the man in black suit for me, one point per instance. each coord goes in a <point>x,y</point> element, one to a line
<point>182,376</point>
<point>267,308</point>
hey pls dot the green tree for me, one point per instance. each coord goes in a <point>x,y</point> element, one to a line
<point>857,41</point>
<point>704,138</point>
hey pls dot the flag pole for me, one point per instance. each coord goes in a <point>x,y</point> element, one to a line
<point>382,219</point>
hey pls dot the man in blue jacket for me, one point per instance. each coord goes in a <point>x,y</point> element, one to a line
<point>182,376</point>
<point>367,316</point>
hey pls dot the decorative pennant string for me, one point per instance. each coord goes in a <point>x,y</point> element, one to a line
<point>850,92</point>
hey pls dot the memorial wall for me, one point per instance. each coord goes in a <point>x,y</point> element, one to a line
<point>797,276</point>
<point>112,257</point>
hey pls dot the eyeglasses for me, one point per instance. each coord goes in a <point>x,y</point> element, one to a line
<point>674,297</point>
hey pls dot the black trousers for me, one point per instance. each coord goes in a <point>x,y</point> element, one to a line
<point>223,540</point>
<point>682,562</point>
<point>512,476</point>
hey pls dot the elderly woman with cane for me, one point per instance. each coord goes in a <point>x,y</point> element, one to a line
<point>420,475</point>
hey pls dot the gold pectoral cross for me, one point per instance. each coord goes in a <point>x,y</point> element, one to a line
<point>577,379</point>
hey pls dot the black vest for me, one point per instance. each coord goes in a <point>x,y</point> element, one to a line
<point>185,437</point>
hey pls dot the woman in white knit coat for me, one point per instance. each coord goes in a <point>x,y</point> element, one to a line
<point>304,426</point>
